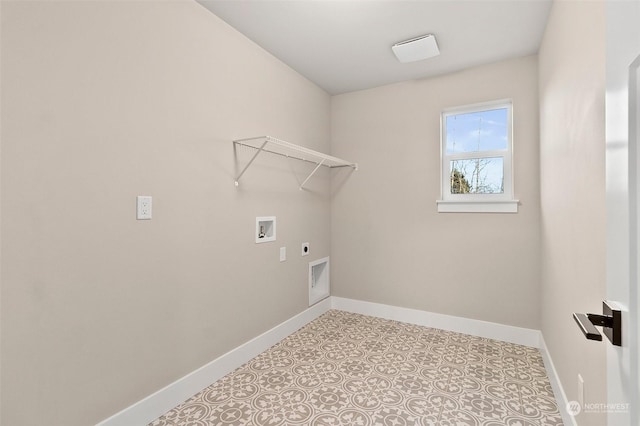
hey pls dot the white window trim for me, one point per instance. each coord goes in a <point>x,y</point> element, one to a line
<point>477,203</point>
<point>510,206</point>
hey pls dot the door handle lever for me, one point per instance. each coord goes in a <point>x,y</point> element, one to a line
<point>610,321</point>
<point>587,327</point>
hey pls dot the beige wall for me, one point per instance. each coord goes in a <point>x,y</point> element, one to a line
<point>572,158</point>
<point>103,101</point>
<point>389,245</point>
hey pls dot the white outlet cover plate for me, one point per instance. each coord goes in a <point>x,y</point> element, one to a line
<point>303,251</point>
<point>144,207</point>
<point>580,390</point>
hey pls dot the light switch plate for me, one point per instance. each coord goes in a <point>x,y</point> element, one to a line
<point>283,254</point>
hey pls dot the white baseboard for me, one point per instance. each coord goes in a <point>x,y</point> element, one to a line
<point>150,408</point>
<point>490,330</point>
<point>558,390</point>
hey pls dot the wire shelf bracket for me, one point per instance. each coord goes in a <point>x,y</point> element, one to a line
<point>286,149</point>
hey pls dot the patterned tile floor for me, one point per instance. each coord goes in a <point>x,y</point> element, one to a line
<point>350,369</point>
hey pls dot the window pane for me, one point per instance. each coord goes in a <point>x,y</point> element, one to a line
<point>477,176</point>
<point>477,131</point>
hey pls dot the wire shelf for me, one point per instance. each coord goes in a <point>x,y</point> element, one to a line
<point>286,149</point>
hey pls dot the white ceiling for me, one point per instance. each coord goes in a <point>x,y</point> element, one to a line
<point>345,45</point>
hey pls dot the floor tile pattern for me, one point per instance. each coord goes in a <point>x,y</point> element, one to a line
<point>350,369</point>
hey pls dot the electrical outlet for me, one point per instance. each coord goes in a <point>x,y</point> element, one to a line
<point>580,391</point>
<point>144,207</point>
<point>305,249</point>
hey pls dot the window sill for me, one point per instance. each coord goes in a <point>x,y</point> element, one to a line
<point>447,206</point>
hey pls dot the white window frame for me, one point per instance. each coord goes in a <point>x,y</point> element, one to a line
<point>477,203</point>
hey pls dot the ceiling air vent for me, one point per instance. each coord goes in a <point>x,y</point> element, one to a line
<point>416,49</point>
